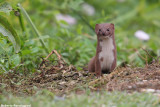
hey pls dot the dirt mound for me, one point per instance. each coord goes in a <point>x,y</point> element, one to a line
<point>62,78</point>
<point>56,76</point>
<point>133,79</point>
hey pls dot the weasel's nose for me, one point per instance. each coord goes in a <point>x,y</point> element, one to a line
<point>103,34</point>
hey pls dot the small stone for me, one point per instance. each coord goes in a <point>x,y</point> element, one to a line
<point>129,87</point>
<point>139,83</point>
<point>145,80</point>
<point>148,90</point>
<point>72,82</point>
<point>134,86</point>
<point>63,82</point>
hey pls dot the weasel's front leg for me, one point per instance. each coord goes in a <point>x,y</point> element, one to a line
<point>98,68</point>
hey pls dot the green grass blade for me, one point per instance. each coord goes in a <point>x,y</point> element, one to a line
<point>7,30</point>
<point>33,26</point>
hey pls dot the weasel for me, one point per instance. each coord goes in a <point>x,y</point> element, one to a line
<point>106,55</point>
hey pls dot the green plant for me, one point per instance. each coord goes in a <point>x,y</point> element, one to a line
<point>76,43</point>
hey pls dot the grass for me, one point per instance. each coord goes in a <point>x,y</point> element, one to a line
<point>73,41</point>
<point>104,99</point>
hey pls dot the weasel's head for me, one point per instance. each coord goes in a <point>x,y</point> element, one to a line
<point>105,30</point>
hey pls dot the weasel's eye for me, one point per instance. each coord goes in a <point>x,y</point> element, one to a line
<point>99,29</point>
<point>108,29</point>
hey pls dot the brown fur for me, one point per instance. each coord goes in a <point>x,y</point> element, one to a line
<point>101,59</point>
<point>102,30</point>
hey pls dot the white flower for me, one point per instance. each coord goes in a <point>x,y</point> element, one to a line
<point>67,18</point>
<point>142,35</point>
<point>88,9</point>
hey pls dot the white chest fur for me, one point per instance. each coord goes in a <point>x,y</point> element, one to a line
<point>106,56</point>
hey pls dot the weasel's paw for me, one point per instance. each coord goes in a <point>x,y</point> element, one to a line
<point>98,74</point>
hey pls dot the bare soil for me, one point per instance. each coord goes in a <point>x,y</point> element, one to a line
<point>62,79</point>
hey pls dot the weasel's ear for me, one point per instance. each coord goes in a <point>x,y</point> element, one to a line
<point>112,25</point>
<point>96,28</point>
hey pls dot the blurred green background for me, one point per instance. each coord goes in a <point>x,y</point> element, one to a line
<point>74,37</point>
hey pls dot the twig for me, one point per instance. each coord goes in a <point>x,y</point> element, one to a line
<point>60,59</point>
<point>145,59</point>
<point>58,55</point>
<point>49,55</point>
<point>148,53</point>
<point>54,51</point>
<point>154,59</point>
